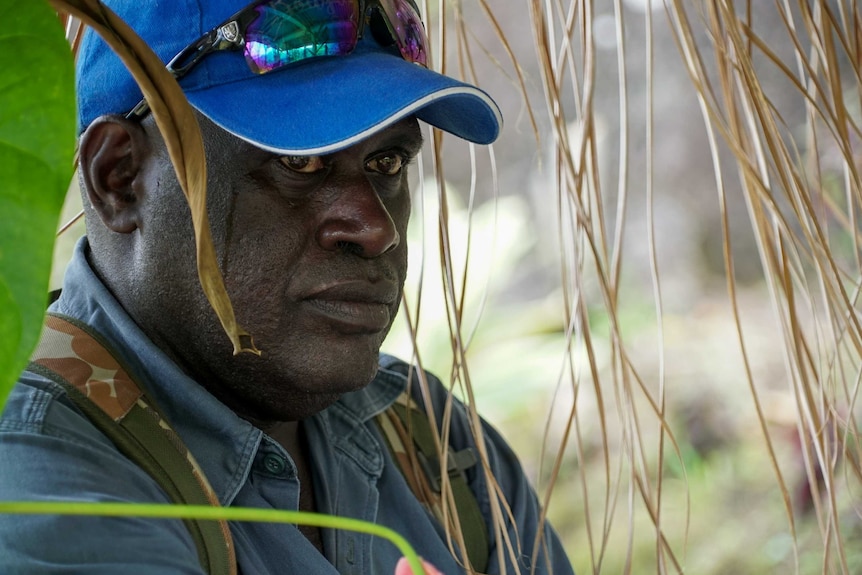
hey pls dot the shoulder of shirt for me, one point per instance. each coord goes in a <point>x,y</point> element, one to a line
<point>36,405</point>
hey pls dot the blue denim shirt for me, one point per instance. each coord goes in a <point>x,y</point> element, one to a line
<point>50,451</point>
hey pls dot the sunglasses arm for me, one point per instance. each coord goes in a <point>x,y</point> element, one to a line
<point>180,65</point>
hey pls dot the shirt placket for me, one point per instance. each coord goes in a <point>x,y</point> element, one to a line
<point>347,464</point>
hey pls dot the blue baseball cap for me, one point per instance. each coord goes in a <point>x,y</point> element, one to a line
<point>313,107</point>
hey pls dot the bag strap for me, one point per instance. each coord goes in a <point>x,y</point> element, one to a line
<point>71,354</point>
<point>405,424</point>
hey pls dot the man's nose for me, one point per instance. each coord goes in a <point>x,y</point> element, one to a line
<point>358,222</point>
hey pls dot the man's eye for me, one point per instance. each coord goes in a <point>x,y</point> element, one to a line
<point>389,164</point>
<point>303,164</point>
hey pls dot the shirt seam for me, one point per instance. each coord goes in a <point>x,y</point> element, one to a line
<point>372,463</point>
<point>243,468</point>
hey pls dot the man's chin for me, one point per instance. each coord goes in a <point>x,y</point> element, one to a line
<point>288,386</point>
<point>263,409</point>
<point>337,367</point>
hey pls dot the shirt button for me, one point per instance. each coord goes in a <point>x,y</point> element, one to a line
<point>273,463</point>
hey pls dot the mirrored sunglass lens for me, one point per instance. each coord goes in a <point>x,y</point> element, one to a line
<point>286,31</point>
<point>407,27</point>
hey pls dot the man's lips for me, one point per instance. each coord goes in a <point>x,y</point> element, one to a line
<point>354,306</point>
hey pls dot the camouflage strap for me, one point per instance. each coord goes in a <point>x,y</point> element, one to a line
<point>73,355</point>
<point>405,424</point>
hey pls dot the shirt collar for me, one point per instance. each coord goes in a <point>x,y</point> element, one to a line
<point>373,399</point>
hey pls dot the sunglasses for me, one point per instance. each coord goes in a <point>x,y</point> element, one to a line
<point>273,34</point>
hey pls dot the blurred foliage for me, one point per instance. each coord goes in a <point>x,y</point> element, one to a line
<point>720,501</point>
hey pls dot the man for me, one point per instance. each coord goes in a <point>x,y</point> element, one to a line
<point>308,203</point>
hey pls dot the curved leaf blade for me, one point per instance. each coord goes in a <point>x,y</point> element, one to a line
<point>37,144</point>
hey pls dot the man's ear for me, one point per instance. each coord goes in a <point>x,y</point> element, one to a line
<point>112,153</point>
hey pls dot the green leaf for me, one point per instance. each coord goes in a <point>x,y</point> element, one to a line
<point>37,144</point>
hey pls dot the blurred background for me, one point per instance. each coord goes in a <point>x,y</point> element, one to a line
<point>651,395</point>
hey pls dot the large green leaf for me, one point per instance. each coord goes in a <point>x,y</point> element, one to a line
<point>37,141</point>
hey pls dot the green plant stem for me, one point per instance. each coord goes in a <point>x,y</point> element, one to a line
<point>165,511</point>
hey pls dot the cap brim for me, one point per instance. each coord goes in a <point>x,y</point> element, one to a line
<point>335,102</point>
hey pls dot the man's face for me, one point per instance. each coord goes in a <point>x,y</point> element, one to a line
<point>314,258</point>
